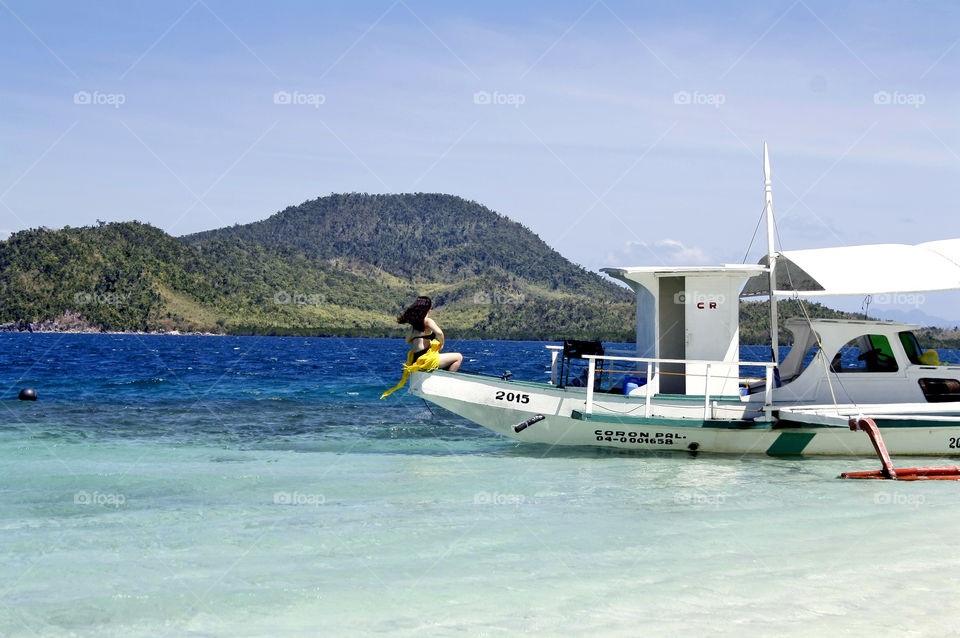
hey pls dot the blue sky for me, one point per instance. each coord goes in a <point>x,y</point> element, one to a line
<point>622,133</point>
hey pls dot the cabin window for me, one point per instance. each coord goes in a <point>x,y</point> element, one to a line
<point>940,390</point>
<point>911,346</point>
<point>866,353</point>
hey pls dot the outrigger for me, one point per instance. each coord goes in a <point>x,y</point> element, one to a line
<point>684,387</point>
<point>887,471</point>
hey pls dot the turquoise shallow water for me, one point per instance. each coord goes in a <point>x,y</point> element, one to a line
<point>212,486</point>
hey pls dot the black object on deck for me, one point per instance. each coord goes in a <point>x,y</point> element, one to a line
<point>577,349</point>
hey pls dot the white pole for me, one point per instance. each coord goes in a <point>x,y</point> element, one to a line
<point>649,390</point>
<point>706,394</point>
<point>768,394</point>
<point>771,256</point>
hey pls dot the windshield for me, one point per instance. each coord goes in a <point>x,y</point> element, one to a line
<point>912,346</point>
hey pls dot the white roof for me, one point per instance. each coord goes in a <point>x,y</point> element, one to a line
<point>639,273</point>
<point>863,270</point>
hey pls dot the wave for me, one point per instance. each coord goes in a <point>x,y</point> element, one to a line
<point>135,382</point>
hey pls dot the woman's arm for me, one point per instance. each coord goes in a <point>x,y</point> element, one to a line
<point>410,336</point>
<point>430,323</point>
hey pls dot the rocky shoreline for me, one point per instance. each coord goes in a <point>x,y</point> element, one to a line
<point>73,323</point>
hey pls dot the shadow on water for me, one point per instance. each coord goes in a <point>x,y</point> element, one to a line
<point>546,451</point>
<point>763,467</point>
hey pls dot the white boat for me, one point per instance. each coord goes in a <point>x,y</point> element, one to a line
<point>688,390</point>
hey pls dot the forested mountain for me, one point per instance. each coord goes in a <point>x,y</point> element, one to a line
<point>339,265</point>
<point>131,276</point>
<point>418,237</point>
<point>755,323</point>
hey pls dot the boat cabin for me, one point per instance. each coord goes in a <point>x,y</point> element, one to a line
<point>864,362</point>
<point>688,320</point>
<point>687,317</point>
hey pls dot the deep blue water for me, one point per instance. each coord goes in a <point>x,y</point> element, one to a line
<point>83,368</point>
<point>196,374</point>
<point>254,390</point>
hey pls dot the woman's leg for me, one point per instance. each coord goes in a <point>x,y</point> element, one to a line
<point>450,361</point>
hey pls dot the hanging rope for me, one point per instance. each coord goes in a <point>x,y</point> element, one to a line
<point>755,230</point>
<point>806,316</point>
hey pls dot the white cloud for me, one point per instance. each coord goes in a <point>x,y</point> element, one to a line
<point>680,253</point>
<point>666,252</point>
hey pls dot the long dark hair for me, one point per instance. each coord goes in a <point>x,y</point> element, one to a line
<point>416,312</point>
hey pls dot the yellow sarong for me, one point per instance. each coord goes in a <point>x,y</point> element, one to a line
<point>429,360</point>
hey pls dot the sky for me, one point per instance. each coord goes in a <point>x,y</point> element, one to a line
<point>622,133</point>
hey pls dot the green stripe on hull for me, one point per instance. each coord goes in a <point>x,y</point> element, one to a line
<point>790,444</point>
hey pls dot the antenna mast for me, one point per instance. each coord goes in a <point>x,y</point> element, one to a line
<point>771,257</point>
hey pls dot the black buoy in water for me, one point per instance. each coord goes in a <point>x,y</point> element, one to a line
<point>27,394</point>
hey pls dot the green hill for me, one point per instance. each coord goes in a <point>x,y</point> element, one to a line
<point>339,265</point>
<point>755,326</point>
<point>755,319</point>
<point>131,276</point>
<point>418,237</point>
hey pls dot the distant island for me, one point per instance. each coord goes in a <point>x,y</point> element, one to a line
<point>341,265</point>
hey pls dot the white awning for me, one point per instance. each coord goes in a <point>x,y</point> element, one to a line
<point>863,270</point>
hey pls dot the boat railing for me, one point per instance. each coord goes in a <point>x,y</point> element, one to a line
<point>653,372</point>
<point>556,353</point>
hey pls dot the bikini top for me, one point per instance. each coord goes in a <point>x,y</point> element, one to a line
<point>428,337</point>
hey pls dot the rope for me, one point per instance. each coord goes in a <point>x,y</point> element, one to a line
<point>755,230</point>
<point>823,357</point>
<point>482,374</point>
<point>600,406</point>
<point>684,374</point>
<point>806,316</point>
<point>432,415</point>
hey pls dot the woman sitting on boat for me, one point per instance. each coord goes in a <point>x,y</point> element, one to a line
<point>426,341</point>
<point>424,330</point>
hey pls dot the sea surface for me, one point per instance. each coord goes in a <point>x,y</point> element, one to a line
<point>222,486</point>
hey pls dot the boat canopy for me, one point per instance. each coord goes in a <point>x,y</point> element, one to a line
<point>862,270</point>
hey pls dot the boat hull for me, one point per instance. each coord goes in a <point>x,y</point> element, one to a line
<point>673,423</point>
